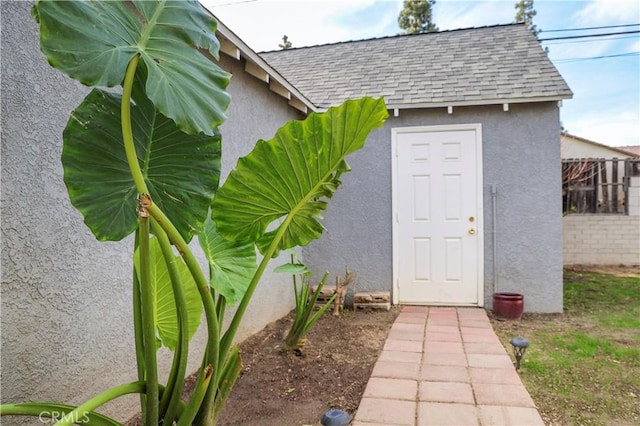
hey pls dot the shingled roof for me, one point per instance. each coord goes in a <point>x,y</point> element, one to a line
<point>475,66</point>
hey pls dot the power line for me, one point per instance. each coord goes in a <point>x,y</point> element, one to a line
<point>558,42</point>
<point>589,35</point>
<point>567,60</point>
<point>590,28</point>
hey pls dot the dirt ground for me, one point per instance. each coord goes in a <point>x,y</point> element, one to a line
<point>617,270</point>
<point>331,370</point>
<point>297,388</point>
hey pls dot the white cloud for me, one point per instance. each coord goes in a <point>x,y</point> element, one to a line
<point>261,24</point>
<point>455,14</point>
<point>620,129</point>
<point>609,12</point>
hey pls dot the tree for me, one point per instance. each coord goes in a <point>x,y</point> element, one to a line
<point>286,44</point>
<point>416,17</point>
<point>525,13</point>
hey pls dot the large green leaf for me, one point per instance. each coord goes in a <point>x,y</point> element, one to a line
<point>181,171</point>
<point>164,307</point>
<point>233,264</point>
<point>289,177</point>
<point>93,42</point>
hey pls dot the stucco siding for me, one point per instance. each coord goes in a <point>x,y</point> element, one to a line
<point>521,157</point>
<point>66,298</point>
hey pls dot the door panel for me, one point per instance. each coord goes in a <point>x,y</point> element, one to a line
<point>438,202</point>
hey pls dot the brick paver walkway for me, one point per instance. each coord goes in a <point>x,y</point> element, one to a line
<point>444,366</point>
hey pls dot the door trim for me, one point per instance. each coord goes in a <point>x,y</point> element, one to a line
<point>395,131</point>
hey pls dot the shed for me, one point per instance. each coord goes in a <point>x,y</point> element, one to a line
<point>457,196</point>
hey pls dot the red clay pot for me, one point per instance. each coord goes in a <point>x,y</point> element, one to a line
<point>508,305</point>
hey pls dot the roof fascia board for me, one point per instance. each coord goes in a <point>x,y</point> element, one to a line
<point>296,99</point>
<point>500,102</point>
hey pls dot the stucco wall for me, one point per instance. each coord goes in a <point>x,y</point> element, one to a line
<point>66,298</point>
<point>521,157</point>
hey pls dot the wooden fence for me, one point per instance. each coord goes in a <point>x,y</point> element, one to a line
<point>597,185</point>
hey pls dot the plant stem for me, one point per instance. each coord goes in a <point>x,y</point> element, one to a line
<point>165,223</point>
<point>221,302</point>
<point>127,133</point>
<point>227,339</point>
<point>151,415</point>
<point>137,327</point>
<point>44,410</point>
<point>146,294</point>
<point>98,400</point>
<point>175,382</point>
<point>190,260</point>
<point>212,353</point>
<point>202,384</point>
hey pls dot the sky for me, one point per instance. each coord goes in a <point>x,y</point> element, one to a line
<point>602,72</point>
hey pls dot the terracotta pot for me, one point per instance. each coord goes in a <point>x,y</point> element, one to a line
<point>508,305</point>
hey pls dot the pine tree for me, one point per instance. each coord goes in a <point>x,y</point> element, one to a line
<point>525,13</point>
<point>416,17</point>
<point>286,44</point>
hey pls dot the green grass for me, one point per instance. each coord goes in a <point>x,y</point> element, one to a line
<point>583,367</point>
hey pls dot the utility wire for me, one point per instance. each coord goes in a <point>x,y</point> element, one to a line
<point>558,42</point>
<point>567,60</point>
<point>589,35</point>
<point>589,28</point>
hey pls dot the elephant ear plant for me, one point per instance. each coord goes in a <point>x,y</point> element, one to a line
<point>145,160</point>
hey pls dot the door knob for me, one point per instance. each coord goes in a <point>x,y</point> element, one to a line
<point>472,231</point>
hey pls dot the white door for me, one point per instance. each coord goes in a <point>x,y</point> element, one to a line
<point>438,215</point>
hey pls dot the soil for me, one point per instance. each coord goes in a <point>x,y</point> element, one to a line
<point>617,270</point>
<point>296,388</point>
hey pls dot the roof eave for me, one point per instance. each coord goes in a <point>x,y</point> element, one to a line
<point>232,46</point>
<point>479,102</point>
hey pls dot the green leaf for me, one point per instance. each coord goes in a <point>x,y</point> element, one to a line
<point>232,264</point>
<point>181,171</point>
<point>164,307</point>
<point>292,269</point>
<point>93,41</point>
<point>290,176</point>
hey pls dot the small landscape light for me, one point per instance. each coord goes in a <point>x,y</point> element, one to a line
<point>520,345</point>
<point>335,418</point>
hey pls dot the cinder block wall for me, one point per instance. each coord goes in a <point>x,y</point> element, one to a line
<point>601,239</point>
